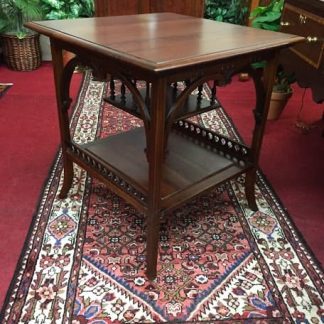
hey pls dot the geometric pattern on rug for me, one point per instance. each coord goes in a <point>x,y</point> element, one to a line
<point>204,259</point>
<point>84,261</point>
<point>62,226</point>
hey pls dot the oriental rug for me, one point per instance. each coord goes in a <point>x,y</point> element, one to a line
<point>219,262</point>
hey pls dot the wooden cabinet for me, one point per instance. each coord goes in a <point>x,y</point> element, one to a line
<point>185,7</point>
<point>129,7</point>
<point>121,7</point>
<point>306,60</point>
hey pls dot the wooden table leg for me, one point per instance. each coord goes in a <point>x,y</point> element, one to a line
<point>62,107</point>
<point>260,122</point>
<point>250,179</point>
<point>155,158</point>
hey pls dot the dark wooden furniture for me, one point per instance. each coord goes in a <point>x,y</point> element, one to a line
<point>306,60</point>
<point>169,160</point>
<point>129,7</point>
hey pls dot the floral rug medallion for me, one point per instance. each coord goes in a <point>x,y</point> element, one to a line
<point>219,262</point>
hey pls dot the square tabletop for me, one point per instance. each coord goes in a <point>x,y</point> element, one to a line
<point>162,41</point>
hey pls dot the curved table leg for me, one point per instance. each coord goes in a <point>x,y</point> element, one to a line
<point>63,76</point>
<point>68,177</point>
<point>250,179</point>
<point>263,87</point>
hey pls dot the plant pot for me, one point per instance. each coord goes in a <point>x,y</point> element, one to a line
<point>21,54</point>
<point>277,104</point>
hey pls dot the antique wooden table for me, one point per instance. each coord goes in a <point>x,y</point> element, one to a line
<point>169,160</point>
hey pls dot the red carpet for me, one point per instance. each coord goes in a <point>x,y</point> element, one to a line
<point>29,139</point>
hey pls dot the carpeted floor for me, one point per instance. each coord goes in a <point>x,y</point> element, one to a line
<point>218,260</point>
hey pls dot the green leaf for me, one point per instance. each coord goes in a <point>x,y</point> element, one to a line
<point>233,11</point>
<point>14,13</point>
<point>21,35</point>
<point>270,16</point>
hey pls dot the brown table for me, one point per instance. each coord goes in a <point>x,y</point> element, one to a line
<point>169,160</point>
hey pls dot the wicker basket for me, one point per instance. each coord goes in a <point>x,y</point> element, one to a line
<point>21,54</point>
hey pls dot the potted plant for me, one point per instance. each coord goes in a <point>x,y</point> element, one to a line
<point>281,93</point>
<point>21,49</point>
<point>268,17</point>
<point>67,9</point>
<point>234,11</point>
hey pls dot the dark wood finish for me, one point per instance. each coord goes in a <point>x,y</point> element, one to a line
<point>169,160</point>
<point>130,7</point>
<point>153,43</point>
<point>121,7</point>
<point>314,6</point>
<point>306,60</point>
<point>185,7</point>
<point>253,5</point>
<point>182,167</point>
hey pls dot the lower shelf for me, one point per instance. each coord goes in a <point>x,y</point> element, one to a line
<point>190,166</point>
